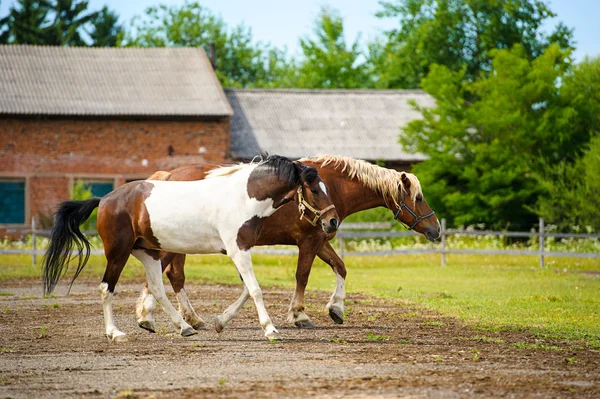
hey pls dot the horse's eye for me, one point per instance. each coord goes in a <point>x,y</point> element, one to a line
<point>315,192</point>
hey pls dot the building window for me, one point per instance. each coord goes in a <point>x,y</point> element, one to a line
<point>97,188</point>
<point>12,201</point>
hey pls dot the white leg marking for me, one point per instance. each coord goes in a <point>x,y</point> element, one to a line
<point>232,311</point>
<point>157,288</point>
<point>145,305</point>
<point>112,332</point>
<point>187,311</point>
<point>337,298</point>
<point>243,262</point>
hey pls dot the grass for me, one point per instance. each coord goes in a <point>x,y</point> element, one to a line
<point>489,292</point>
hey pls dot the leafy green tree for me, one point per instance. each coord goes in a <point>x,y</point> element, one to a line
<point>573,183</point>
<point>454,33</point>
<point>59,23</point>
<point>25,22</point>
<point>238,61</point>
<point>106,29</point>
<point>70,17</point>
<point>328,61</point>
<point>486,155</point>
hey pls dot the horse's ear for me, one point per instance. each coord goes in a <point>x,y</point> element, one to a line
<point>405,181</point>
<point>299,166</point>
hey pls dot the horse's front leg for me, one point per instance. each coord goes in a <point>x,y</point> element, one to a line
<point>152,264</point>
<point>243,263</point>
<point>336,303</point>
<point>307,252</point>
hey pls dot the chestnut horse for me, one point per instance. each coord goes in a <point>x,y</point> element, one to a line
<point>223,213</point>
<point>353,186</point>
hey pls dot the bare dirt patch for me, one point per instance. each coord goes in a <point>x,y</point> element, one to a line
<point>55,347</point>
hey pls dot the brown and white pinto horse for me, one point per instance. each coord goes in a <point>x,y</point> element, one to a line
<point>222,213</point>
<point>353,186</point>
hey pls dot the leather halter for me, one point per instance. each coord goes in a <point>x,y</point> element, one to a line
<point>303,205</point>
<point>417,217</point>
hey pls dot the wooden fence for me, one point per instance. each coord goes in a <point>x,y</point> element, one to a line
<point>383,230</point>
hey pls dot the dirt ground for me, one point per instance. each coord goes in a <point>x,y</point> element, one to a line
<point>55,347</point>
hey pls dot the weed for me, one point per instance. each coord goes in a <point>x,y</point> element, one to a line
<point>475,355</point>
<point>483,338</point>
<point>2,293</point>
<point>571,360</point>
<point>404,342</point>
<point>434,323</point>
<point>522,345</point>
<point>222,381</point>
<point>197,344</point>
<point>126,394</point>
<point>377,338</point>
<point>52,306</point>
<point>338,340</point>
<point>6,350</point>
<point>372,318</point>
<point>437,358</point>
<point>43,332</point>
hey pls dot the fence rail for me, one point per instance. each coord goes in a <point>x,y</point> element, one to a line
<point>348,231</point>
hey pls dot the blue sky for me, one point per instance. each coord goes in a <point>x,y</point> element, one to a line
<point>282,22</point>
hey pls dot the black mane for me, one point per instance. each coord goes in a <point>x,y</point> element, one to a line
<point>291,172</point>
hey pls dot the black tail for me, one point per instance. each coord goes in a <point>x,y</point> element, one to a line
<point>65,236</point>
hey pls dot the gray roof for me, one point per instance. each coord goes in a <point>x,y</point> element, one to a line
<point>45,80</point>
<point>363,124</point>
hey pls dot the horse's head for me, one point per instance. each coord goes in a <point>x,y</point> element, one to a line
<point>413,211</point>
<point>314,203</point>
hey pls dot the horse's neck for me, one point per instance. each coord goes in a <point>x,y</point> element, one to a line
<point>353,196</point>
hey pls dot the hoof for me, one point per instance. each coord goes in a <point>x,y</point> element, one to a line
<point>200,326</point>
<point>147,325</point>
<point>118,337</point>
<point>336,315</point>
<point>219,325</point>
<point>186,332</point>
<point>273,336</point>
<point>305,324</point>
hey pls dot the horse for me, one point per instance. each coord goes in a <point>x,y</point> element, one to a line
<point>353,185</point>
<point>224,213</point>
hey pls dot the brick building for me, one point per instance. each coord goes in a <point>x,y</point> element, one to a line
<point>102,116</point>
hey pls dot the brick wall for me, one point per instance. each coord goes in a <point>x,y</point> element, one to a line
<point>51,153</point>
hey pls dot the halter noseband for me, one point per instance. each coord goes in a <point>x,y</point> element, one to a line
<point>303,205</point>
<point>417,217</point>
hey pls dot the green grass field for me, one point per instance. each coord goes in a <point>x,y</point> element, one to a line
<point>491,292</point>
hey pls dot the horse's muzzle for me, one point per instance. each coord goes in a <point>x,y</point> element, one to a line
<point>330,227</point>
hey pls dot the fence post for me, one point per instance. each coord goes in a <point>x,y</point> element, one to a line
<point>340,238</point>
<point>443,242</point>
<point>33,242</point>
<point>541,242</point>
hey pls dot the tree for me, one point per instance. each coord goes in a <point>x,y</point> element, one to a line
<point>59,23</point>
<point>328,62</point>
<point>486,155</point>
<point>25,22</point>
<point>70,17</point>
<point>454,33</point>
<point>238,61</point>
<point>573,184</point>
<point>106,29</point>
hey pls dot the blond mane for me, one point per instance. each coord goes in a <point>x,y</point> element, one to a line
<point>382,180</point>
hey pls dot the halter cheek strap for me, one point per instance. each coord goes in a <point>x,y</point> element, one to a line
<point>303,205</point>
<point>417,217</point>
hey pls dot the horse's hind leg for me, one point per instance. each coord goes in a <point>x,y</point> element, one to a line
<point>117,257</point>
<point>151,261</point>
<point>335,306</point>
<point>176,276</point>
<point>173,264</point>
